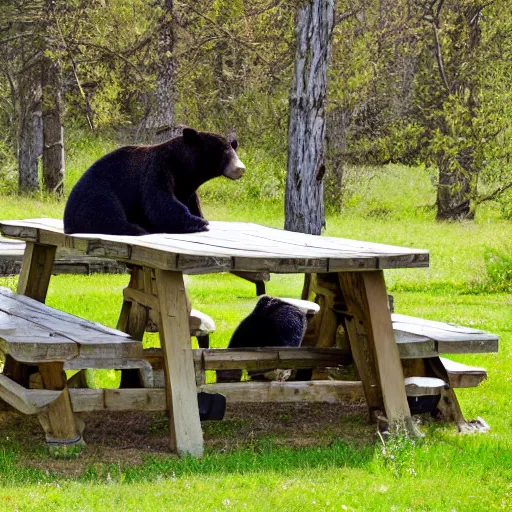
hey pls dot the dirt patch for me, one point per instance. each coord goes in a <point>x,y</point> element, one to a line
<point>127,438</point>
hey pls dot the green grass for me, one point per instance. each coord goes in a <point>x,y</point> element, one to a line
<point>442,472</point>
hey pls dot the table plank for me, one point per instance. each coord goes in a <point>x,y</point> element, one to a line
<point>226,246</point>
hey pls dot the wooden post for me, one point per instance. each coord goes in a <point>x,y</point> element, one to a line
<point>321,330</point>
<point>134,316</point>
<point>59,423</point>
<point>373,344</point>
<point>36,270</point>
<point>185,427</point>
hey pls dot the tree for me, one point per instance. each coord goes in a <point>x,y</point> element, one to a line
<point>304,202</point>
<point>462,125</point>
<point>161,115</point>
<point>52,109</point>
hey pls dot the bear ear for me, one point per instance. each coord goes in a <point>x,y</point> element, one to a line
<point>190,135</point>
<point>234,144</point>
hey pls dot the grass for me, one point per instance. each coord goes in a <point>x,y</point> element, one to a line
<point>342,465</point>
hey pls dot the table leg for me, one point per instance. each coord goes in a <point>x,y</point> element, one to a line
<point>134,316</point>
<point>185,427</point>
<point>133,320</point>
<point>36,270</point>
<point>373,345</point>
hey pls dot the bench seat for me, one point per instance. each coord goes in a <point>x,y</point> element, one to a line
<point>32,333</point>
<point>419,338</point>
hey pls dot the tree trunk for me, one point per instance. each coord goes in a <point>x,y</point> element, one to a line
<point>304,202</point>
<point>160,120</point>
<point>454,193</point>
<point>29,132</point>
<point>53,130</point>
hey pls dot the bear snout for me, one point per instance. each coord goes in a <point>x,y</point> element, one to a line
<point>235,169</point>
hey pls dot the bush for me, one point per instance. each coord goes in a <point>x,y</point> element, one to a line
<point>499,268</point>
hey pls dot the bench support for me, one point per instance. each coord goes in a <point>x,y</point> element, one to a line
<point>61,426</point>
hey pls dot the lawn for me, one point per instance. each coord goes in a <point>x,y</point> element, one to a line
<point>296,457</point>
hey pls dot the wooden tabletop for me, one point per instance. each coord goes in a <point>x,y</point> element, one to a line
<point>226,246</point>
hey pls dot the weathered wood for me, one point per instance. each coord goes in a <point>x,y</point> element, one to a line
<point>366,296</point>
<point>259,358</point>
<point>321,329</point>
<point>423,386</point>
<point>62,423</point>
<point>89,400</point>
<point>291,391</point>
<point>32,333</point>
<point>200,323</point>
<point>185,427</point>
<point>15,395</point>
<point>304,206</point>
<point>226,246</point>
<point>447,338</point>
<point>463,376</point>
<point>140,296</point>
<point>16,371</point>
<point>36,270</point>
<point>306,306</point>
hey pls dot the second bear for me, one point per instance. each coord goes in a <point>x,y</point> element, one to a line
<point>273,323</point>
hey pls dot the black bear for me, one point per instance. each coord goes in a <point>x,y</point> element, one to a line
<point>136,190</point>
<point>273,323</point>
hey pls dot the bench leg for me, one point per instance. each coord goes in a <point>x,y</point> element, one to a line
<point>36,270</point>
<point>185,427</point>
<point>63,430</point>
<point>374,348</point>
<point>449,407</point>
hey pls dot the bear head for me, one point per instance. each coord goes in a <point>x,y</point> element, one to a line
<point>212,154</point>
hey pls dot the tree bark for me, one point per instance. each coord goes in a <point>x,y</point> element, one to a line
<point>304,202</point>
<point>53,130</point>
<point>29,132</point>
<point>454,192</point>
<point>160,120</point>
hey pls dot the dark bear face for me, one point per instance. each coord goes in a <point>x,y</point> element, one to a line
<point>217,156</point>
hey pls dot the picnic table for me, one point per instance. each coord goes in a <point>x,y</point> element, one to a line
<point>232,246</point>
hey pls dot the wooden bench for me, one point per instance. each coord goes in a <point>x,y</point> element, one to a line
<point>39,343</point>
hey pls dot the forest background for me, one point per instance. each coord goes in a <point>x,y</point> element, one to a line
<point>421,83</point>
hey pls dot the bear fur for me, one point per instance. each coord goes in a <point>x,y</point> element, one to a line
<point>273,323</point>
<point>136,190</point>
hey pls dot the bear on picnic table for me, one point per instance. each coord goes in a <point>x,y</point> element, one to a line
<point>136,190</point>
<point>273,323</point>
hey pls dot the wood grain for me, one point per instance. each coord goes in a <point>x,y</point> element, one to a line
<point>36,270</point>
<point>226,246</point>
<point>185,427</point>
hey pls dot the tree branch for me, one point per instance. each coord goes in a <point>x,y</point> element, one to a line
<point>439,55</point>
<point>18,36</point>
<point>75,73</point>
<point>496,193</point>
<point>228,33</point>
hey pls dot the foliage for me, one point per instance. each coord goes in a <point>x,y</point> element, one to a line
<point>428,82</point>
<point>498,264</point>
<point>388,95</point>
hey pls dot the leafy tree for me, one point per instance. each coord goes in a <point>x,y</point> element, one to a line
<point>462,109</point>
